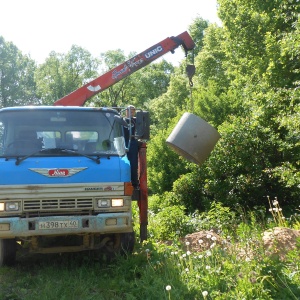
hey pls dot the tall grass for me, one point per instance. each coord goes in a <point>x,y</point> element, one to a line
<point>237,268</point>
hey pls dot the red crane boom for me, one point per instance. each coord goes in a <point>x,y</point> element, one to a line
<point>84,93</point>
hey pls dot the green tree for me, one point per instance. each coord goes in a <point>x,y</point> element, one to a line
<point>150,82</point>
<point>17,85</point>
<point>115,95</point>
<point>164,165</point>
<point>211,59</point>
<point>197,30</point>
<point>166,107</point>
<point>258,154</point>
<point>254,31</point>
<point>63,73</point>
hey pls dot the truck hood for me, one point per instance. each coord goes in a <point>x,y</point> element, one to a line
<point>57,170</point>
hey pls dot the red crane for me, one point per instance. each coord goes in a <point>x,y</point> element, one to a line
<point>84,93</point>
<point>101,83</point>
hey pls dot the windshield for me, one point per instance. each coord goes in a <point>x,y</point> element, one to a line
<point>23,132</point>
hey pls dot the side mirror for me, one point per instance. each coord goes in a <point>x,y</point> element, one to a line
<point>142,125</point>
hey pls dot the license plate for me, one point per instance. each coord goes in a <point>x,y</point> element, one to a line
<point>58,224</point>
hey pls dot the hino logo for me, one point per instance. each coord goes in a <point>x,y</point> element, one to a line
<point>58,172</point>
<point>153,52</point>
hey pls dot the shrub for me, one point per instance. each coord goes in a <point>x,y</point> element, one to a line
<point>168,223</point>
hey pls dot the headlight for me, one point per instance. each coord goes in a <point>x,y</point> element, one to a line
<point>103,203</point>
<point>117,202</point>
<point>11,206</point>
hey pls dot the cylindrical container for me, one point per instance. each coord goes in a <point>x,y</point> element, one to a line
<point>193,138</point>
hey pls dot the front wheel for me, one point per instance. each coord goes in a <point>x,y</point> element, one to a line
<point>119,244</point>
<point>8,251</point>
<point>127,243</point>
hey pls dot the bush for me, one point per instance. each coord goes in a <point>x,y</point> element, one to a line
<point>168,223</point>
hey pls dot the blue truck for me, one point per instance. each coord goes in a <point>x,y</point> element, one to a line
<point>65,176</point>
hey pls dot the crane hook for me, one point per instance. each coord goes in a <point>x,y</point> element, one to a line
<point>190,71</point>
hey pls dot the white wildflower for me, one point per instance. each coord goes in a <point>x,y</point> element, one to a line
<point>204,293</point>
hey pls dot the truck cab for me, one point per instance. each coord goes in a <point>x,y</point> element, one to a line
<point>64,175</point>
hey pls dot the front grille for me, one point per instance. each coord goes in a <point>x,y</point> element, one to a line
<point>57,204</point>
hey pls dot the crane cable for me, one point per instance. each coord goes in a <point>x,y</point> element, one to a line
<point>190,71</point>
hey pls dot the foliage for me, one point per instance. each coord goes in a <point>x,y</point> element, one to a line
<point>211,60</point>
<point>165,108</point>
<point>197,30</point>
<point>245,86</point>
<point>149,83</point>
<point>215,107</point>
<point>237,268</point>
<point>171,220</point>
<point>17,85</point>
<point>163,164</point>
<point>244,167</point>
<point>61,74</point>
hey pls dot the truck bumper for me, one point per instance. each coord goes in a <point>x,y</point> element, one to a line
<point>14,227</point>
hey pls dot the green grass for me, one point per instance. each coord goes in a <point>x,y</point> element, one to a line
<point>159,271</point>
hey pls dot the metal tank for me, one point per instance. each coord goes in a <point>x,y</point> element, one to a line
<point>193,138</point>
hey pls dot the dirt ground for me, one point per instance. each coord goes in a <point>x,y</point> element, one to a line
<point>278,241</point>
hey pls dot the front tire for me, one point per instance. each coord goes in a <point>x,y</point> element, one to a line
<point>127,243</point>
<point>120,244</point>
<point>8,251</point>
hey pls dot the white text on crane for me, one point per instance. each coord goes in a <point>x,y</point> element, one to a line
<point>153,52</point>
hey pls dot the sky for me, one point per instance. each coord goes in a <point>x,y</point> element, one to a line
<point>38,27</point>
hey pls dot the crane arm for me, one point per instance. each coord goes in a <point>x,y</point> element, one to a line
<point>84,93</point>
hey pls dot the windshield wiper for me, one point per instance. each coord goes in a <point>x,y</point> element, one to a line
<point>97,159</point>
<point>57,150</point>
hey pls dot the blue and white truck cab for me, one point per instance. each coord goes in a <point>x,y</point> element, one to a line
<point>64,175</point>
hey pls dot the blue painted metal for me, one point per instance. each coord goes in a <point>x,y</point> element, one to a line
<point>110,169</point>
